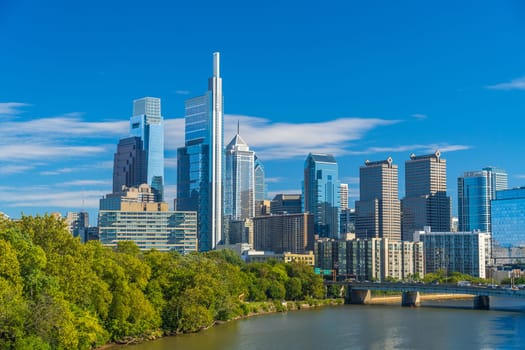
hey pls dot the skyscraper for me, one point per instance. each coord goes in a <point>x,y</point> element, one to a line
<point>147,124</point>
<point>130,164</point>
<point>343,196</point>
<point>378,209</point>
<point>239,180</point>
<point>426,202</point>
<point>475,191</point>
<point>199,163</point>
<point>260,186</point>
<point>321,193</point>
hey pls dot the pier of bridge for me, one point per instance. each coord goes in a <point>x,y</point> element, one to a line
<point>361,292</point>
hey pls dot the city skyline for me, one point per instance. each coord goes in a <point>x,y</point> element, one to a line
<point>345,87</point>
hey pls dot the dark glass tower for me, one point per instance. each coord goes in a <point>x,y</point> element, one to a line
<point>129,166</point>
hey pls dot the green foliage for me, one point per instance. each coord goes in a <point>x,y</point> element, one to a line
<point>56,293</point>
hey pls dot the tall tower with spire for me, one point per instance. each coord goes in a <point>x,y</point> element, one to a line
<point>239,184</point>
<point>200,161</point>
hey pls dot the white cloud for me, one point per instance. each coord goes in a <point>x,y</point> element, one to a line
<point>350,180</point>
<point>173,133</point>
<point>170,163</point>
<point>515,84</point>
<point>270,180</point>
<point>182,92</point>
<point>287,140</point>
<point>23,152</point>
<point>37,197</point>
<point>66,126</point>
<point>430,148</point>
<point>419,116</point>
<point>11,108</point>
<point>520,176</point>
<point>86,183</point>
<point>14,169</point>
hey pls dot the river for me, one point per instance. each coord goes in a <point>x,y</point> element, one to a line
<point>436,325</point>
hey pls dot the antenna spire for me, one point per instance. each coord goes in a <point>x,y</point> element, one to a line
<point>238,127</point>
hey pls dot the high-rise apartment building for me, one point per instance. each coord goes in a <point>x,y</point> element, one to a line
<point>475,191</point>
<point>134,215</point>
<point>378,213</point>
<point>130,164</point>
<point>426,202</point>
<point>284,203</point>
<point>200,161</point>
<point>371,259</point>
<point>465,252</point>
<point>321,193</point>
<point>343,196</point>
<point>239,181</point>
<point>147,124</point>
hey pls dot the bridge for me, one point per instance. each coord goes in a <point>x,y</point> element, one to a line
<point>360,292</point>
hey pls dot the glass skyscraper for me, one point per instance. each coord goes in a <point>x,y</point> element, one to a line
<point>260,186</point>
<point>426,202</point>
<point>239,182</point>
<point>508,218</point>
<point>200,162</point>
<point>147,124</point>
<point>475,191</point>
<point>321,193</point>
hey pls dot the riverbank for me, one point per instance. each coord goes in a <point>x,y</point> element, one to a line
<point>253,309</point>
<point>396,299</point>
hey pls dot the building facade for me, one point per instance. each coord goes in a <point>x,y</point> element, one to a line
<point>292,233</point>
<point>426,202</point>
<point>465,252</point>
<point>508,218</point>
<point>321,193</point>
<point>371,259</point>
<point>129,164</point>
<point>286,204</point>
<point>378,213</point>
<point>475,191</point>
<point>134,215</point>
<point>343,196</point>
<point>239,181</point>
<point>78,224</point>
<point>147,123</point>
<point>200,161</point>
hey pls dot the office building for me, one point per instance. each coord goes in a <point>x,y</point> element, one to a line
<point>284,203</point>
<point>508,218</point>
<point>284,233</point>
<point>130,164</point>
<point>475,191</point>
<point>135,215</point>
<point>78,224</point>
<point>378,213</point>
<point>466,252</point>
<point>147,124</point>
<point>321,193</point>
<point>347,221</point>
<point>200,161</point>
<point>426,202</point>
<point>239,180</point>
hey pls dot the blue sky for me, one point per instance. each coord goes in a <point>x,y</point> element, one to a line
<point>361,80</point>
